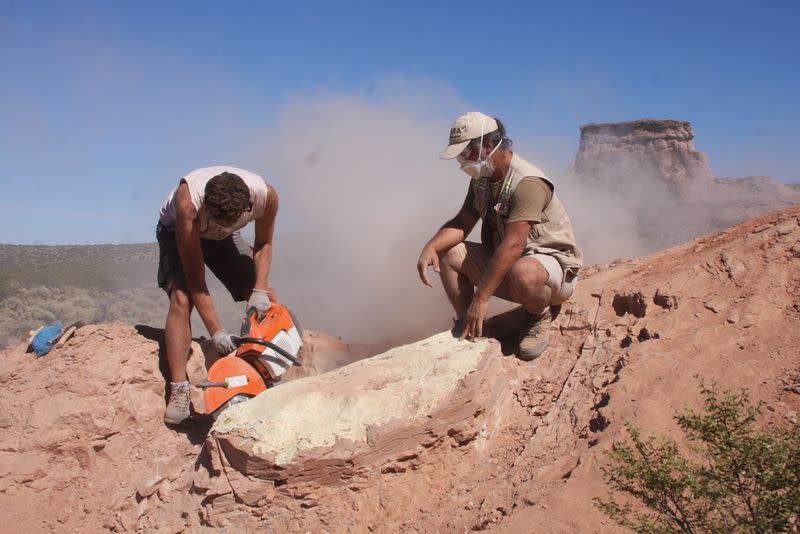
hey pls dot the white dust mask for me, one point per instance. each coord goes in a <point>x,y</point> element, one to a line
<point>482,167</point>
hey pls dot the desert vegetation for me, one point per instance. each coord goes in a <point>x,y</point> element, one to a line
<point>93,283</point>
<point>733,476</point>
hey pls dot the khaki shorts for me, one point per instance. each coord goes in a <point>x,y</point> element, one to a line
<point>475,262</point>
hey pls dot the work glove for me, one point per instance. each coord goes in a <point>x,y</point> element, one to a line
<point>223,342</point>
<point>259,299</point>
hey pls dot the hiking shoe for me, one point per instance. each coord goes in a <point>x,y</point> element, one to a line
<point>178,406</point>
<point>535,337</point>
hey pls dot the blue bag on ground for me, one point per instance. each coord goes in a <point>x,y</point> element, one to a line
<point>43,340</point>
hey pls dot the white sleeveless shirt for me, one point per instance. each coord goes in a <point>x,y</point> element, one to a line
<point>197,180</point>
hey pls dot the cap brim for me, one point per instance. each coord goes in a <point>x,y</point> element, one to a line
<point>454,150</point>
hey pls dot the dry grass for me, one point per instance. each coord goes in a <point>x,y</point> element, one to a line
<point>92,283</point>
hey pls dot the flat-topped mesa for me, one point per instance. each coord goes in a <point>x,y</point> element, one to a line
<point>615,152</point>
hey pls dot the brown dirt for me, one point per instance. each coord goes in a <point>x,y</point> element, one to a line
<point>84,449</point>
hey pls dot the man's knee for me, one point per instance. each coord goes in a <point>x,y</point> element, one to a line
<point>453,258</point>
<point>179,301</point>
<point>525,275</point>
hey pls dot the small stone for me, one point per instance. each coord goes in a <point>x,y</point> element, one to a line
<point>759,229</point>
<point>174,467</point>
<point>748,320</point>
<point>148,484</point>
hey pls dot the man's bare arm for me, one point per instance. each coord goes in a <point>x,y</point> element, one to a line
<point>187,235</point>
<point>451,234</point>
<point>454,231</point>
<point>262,248</point>
<point>509,251</point>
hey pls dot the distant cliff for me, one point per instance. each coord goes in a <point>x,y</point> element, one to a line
<point>663,149</point>
<point>656,188</point>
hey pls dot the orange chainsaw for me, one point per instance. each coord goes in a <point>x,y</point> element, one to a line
<point>266,349</point>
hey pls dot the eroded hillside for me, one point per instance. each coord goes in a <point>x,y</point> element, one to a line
<point>506,445</point>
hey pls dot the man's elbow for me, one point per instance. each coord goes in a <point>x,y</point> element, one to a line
<point>262,246</point>
<point>515,245</point>
<point>452,223</point>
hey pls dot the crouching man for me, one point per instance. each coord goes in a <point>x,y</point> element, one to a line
<point>528,253</point>
<point>199,225</point>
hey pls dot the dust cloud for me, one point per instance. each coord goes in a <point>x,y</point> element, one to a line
<point>361,191</point>
<point>628,211</point>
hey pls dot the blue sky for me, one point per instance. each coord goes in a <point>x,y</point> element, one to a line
<point>104,105</point>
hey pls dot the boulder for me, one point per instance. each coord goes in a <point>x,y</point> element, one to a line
<point>372,412</point>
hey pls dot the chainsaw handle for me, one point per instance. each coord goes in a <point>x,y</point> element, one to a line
<point>205,384</point>
<point>265,343</point>
<point>251,311</point>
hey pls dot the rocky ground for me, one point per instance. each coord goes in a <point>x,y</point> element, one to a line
<point>512,446</point>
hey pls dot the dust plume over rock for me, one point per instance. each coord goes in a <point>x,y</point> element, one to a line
<point>362,190</point>
<point>639,186</point>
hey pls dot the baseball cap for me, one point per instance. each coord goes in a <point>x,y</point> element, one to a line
<point>466,128</point>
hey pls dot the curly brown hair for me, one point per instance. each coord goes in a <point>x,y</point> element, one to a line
<point>227,197</point>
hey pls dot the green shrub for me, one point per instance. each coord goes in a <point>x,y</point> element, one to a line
<point>736,477</point>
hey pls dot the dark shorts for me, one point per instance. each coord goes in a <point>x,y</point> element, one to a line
<point>230,259</point>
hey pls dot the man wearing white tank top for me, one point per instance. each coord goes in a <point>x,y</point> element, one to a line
<point>527,252</point>
<point>199,226</point>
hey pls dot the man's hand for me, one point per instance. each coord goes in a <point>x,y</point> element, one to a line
<point>223,342</point>
<point>260,300</point>
<point>473,322</point>
<point>273,297</point>
<point>426,258</point>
